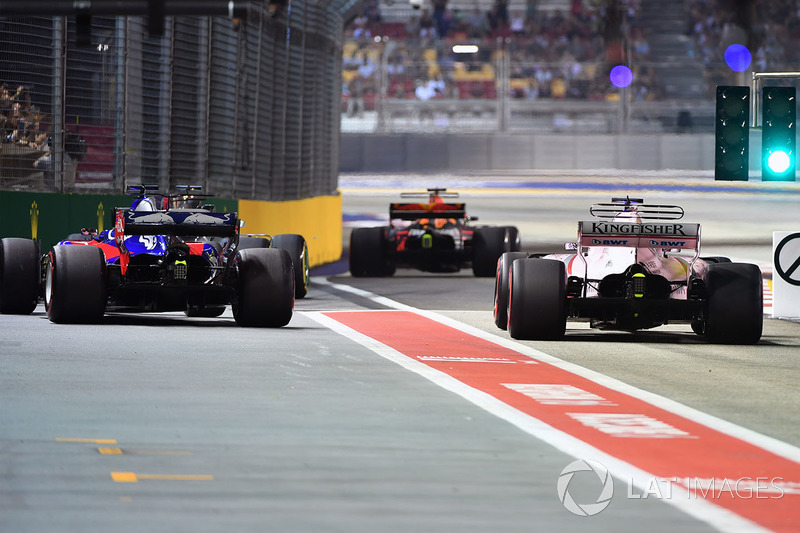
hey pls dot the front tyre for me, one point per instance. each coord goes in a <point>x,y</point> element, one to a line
<point>298,251</point>
<point>537,305</point>
<point>265,294</point>
<point>734,312</point>
<point>75,284</point>
<point>19,276</point>
<point>500,312</point>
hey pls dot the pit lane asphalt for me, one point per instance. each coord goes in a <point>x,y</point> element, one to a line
<point>301,429</point>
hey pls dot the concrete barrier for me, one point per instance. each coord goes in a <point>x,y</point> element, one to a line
<point>407,152</point>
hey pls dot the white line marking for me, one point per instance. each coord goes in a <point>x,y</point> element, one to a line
<point>765,442</point>
<point>698,508</point>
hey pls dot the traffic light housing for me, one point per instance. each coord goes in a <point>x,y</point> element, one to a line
<point>732,133</point>
<point>778,134</point>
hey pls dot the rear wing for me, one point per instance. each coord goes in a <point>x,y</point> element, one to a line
<point>620,208</point>
<point>188,223</point>
<point>415,211</point>
<point>667,235</point>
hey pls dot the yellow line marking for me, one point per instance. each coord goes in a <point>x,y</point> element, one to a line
<point>131,477</point>
<point>156,452</point>
<point>92,441</point>
<point>110,451</point>
<point>124,477</point>
<point>121,451</point>
<point>176,477</point>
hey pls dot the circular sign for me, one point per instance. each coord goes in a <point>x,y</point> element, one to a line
<point>787,265</point>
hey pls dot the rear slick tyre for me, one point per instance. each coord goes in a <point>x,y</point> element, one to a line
<point>500,312</point>
<point>265,295</point>
<point>20,275</point>
<point>298,251</point>
<point>734,312</point>
<point>537,299</point>
<point>368,253</point>
<point>75,284</point>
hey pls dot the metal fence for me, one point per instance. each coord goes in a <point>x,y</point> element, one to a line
<point>248,110</point>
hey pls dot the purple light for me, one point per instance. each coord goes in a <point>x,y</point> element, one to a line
<point>738,58</point>
<point>621,76</point>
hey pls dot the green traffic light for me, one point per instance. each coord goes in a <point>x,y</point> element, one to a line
<point>779,134</point>
<point>779,161</point>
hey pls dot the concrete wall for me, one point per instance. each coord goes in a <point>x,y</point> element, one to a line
<point>419,152</point>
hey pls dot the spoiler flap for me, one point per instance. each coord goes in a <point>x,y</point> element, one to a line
<point>414,211</point>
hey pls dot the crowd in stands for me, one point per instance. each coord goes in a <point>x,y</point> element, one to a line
<point>20,122</point>
<point>552,54</point>
<point>773,39</point>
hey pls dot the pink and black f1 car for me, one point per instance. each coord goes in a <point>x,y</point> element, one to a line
<point>432,236</point>
<point>633,267</point>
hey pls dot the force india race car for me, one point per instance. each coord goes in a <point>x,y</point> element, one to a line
<point>628,273</point>
<point>432,237</point>
<point>165,253</point>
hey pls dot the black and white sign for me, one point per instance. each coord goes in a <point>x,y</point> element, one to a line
<point>787,259</point>
<point>786,274</point>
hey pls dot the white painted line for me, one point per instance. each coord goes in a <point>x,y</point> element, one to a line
<point>765,442</point>
<point>696,507</point>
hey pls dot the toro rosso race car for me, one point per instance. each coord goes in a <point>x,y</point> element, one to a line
<point>169,253</point>
<point>432,237</point>
<point>634,267</point>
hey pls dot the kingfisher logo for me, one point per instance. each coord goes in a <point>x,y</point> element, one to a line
<point>667,244</point>
<point>610,242</point>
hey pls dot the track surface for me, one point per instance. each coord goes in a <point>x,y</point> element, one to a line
<point>396,405</point>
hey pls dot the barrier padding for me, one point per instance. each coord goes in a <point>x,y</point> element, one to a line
<point>318,219</point>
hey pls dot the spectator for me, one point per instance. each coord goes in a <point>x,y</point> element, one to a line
<point>367,68</point>
<point>477,24</point>
<point>517,25</point>
<point>355,101</point>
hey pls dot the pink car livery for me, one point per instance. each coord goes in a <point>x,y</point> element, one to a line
<point>635,266</point>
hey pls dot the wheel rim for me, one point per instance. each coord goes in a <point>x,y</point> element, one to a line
<point>48,282</point>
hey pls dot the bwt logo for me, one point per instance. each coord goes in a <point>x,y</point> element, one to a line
<point>667,244</point>
<point>602,501</point>
<point>610,242</point>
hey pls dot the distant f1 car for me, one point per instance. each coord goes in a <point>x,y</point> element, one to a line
<point>626,272</point>
<point>432,237</point>
<point>165,253</point>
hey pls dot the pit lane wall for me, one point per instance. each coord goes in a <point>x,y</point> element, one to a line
<point>50,217</point>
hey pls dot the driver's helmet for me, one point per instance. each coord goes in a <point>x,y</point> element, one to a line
<point>143,205</point>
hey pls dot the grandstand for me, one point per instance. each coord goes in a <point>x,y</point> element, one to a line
<point>561,53</point>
